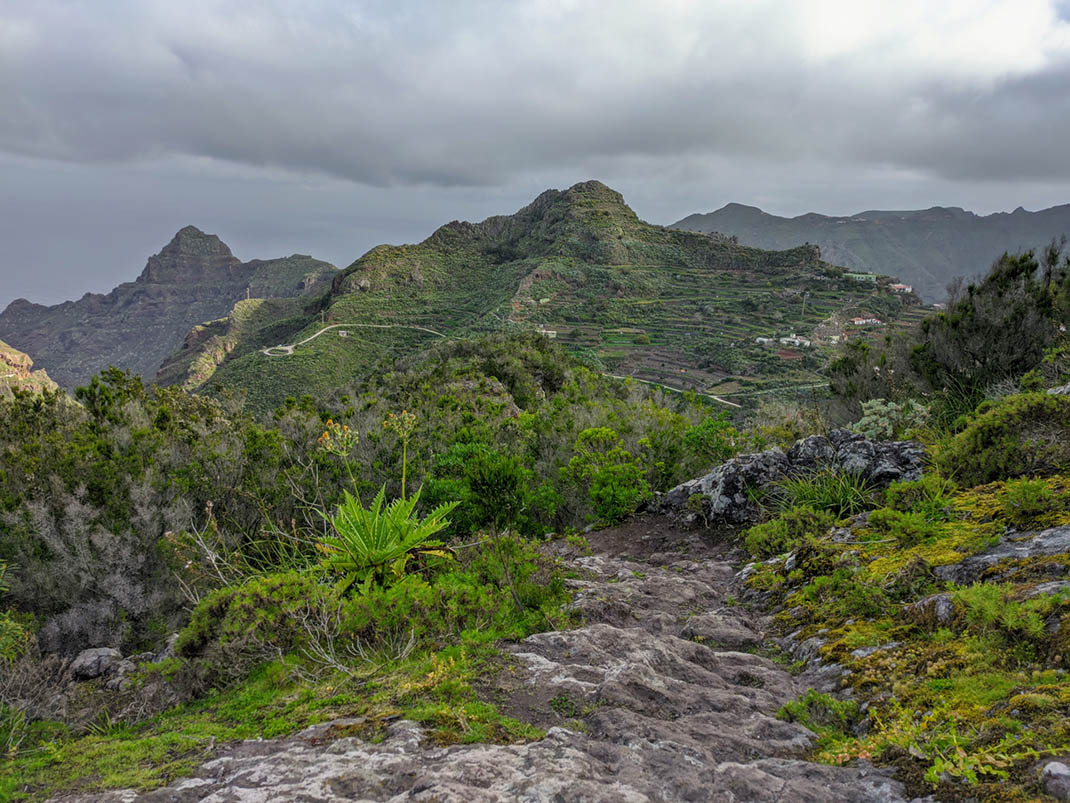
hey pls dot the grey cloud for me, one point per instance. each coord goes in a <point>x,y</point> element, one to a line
<point>328,127</point>
<point>454,94</point>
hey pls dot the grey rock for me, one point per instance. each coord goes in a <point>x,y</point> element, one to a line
<point>1042,589</point>
<point>729,488</point>
<point>1062,390</point>
<point>561,767</point>
<point>808,650</point>
<point>168,650</point>
<point>865,652</point>
<point>1056,779</point>
<point>1054,541</point>
<point>94,662</point>
<point>937,609</point>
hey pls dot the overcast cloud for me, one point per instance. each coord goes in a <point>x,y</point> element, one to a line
<point>327,127</point>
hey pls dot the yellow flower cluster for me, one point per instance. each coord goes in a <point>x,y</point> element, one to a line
<point>401,424</point>
<point>338,439</point>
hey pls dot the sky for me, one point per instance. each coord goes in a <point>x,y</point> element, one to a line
<point>326,127</point>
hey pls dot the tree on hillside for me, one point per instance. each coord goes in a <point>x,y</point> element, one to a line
<point>993,331</point>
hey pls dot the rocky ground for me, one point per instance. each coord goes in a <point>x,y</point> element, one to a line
<point>664,694</point>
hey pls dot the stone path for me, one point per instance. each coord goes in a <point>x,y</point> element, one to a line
<point>654,699</point>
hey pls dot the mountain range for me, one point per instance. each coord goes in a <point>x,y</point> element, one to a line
<point>926,248</point>
<point>667,306</point>
<point>194,278</point>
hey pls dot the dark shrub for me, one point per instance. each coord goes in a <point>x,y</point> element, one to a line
<point>1022,435</point>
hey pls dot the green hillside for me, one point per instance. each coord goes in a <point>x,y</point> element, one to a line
<point>663,305</point>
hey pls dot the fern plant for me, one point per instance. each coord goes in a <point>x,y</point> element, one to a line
<point>375,544</point>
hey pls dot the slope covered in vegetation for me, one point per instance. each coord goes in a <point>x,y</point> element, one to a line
<point>945,602</point>
<point>662,305</point>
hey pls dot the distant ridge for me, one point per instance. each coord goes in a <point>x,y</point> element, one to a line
<point>926,248</point>
<point>194,278</point>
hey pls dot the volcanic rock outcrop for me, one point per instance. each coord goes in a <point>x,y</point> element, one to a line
<point>195,278</point>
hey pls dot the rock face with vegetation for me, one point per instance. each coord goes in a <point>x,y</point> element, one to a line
<point>16,371</point>
<point>195,278</point>
<point>926,248</point>
<point>579,266</point>
<point>733,491</point>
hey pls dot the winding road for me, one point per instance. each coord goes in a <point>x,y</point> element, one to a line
<point>286,351</point>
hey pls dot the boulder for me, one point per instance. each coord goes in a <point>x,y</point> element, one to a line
<point>877,462</point>
<point>1054,541</point>
<point>934,611</point>
<point>1056,779</point>
<point>728,491</point>
<point>94,662</point>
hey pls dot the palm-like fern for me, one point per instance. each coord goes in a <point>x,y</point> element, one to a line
<point>375,544</point>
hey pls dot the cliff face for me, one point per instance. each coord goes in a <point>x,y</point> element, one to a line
<point>16,371</point>
<point>195,278</point>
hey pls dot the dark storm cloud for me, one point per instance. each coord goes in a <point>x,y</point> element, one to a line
<point>474,93</point>
<point>330,126</point>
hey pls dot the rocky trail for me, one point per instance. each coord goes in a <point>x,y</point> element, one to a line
<point>662,695</point>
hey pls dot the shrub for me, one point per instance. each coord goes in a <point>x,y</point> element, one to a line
<point>786,531</point>
<point>840,493</point>
<point>236,627</point>
<point>907,528</point>
<point>1024,503</point>
<point>1027,434</point>
<point>821,713</point>
<point>612,476</point>
<point>886,420</point>
<point>930,496</point>
<point>375,544</point>
<point>843,594</point>
<point>713,440</point>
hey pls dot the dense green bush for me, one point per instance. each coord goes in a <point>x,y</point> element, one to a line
<point>908,528</point>
<point>1027,434</point>
<point>930,496</point>
<point>492,591</point>
<point>612,477</point>
<point>713,440</point>
<point>1026,502</point>
<point>787,531</point>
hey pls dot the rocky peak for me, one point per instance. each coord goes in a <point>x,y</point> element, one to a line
<point>16,370</point>
<point>582,204</point>
<point>191,256</point>
<point>14,362</point>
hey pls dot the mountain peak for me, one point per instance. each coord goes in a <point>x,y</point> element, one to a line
<point>191,240</point>
<point>191,256</point>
